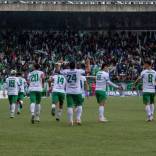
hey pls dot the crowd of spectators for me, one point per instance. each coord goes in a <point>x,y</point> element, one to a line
<point>124,51</point>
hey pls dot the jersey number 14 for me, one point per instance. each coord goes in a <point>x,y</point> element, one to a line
<point>60,80</point>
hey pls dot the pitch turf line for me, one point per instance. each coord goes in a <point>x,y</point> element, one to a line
<point>126,133</point>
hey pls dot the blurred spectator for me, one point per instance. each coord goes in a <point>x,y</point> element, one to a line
<point>123,51</point>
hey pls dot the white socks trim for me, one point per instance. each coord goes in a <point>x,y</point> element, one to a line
<point>32,108</point>
<point>53,106</point>
<point>152,108</point>
<point>148,110</point>
<point>70,114</point>
<point>101,112</point>
<point>12,108</point>
<point>37,109</point>
<point>79,113</point>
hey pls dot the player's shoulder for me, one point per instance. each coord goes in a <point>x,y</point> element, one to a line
<point>104,73</point>
<point>148,71</point>
<point>35,71</point>
<point>62,75</point>
<point>64,71</point>
<point>54,76</point>
<point>7,78</point>
<point>83,78</point>
<point>99,72</point>
<point>144,71</point>
<point>20,78</point>
<point>152,70</point>
<point>81,71</point>
<point>39,71</point>
<point>31,72</point>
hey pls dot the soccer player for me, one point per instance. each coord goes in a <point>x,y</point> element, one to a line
<point>84,90</point>
<point>58,94</point>
<point>102,79</point>
<point>36,84</point>
<point>73,92</point>
<point>12,86</point>
<point>148,77</point>
<point>21,93</point>
<point>84,87</point>
<point>83,82</point>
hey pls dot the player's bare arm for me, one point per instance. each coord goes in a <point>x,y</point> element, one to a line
<point>50,81</point>
<point>136,82</point>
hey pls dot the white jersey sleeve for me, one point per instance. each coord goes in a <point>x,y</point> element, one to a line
<point>82,81</point>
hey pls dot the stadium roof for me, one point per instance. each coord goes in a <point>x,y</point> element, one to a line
<point>91,2</point>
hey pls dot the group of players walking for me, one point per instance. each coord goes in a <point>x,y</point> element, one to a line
<point>72,83</point>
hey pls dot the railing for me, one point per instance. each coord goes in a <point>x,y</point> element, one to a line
<point>82,2</point>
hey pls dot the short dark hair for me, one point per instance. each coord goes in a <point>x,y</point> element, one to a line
<point>56,71</point>
<point>148,62</point>
<point>104,65</point>
<point>19,74</point>
<point>36,66</point>
<point>72,65</point>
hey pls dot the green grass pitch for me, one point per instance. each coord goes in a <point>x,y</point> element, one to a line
<point>126,133</point>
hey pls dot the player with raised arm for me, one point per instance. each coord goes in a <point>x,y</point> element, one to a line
<point>84,87</point>
<point>21,93</point>
<point>102,79</point>
<point>58,93</point>
<point>83,83</point>
<point>148,77</point>
<point>36,85</point>
<point>12,86</point>
<point>73,92</point>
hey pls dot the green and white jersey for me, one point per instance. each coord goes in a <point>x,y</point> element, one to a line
<point>59,83</point>
<point>35,80</point>
<point>82,83</point>
<point>23,84</point>
<point>102,79</point>
<point>148,77</point>
<point>12,85</point>
<point>73,78</point>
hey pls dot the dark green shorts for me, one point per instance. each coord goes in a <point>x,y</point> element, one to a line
<point>12,98</point>
<point>148,98</point>
<point>74,100</point>
<point>101,96</point>
<point>35,97</point>
<point>83,99</point>
<point>20,96</point>
<point>58,97</point>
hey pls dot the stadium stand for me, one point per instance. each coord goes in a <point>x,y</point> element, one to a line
<point>123,50</point>
<point>92,2</point>
<point>103,31</point>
